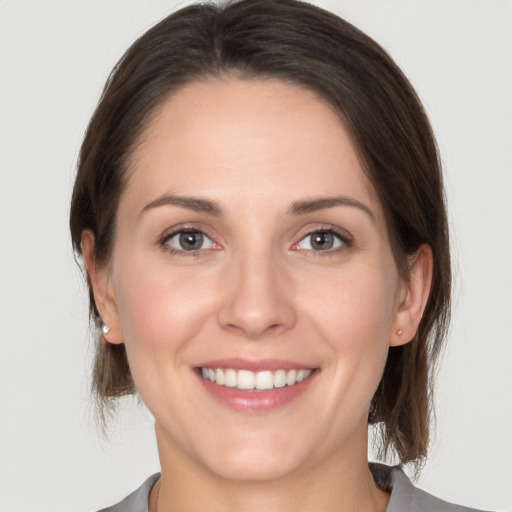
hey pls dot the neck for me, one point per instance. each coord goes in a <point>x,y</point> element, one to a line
<point>342,484</point>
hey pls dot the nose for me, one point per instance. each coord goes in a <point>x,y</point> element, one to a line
<point>256,300</point>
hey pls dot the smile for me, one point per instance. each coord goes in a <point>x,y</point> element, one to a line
<point>246,380</point>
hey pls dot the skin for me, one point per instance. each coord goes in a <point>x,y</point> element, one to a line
<point>258,290</point>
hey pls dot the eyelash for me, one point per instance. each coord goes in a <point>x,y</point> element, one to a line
<point>164,241</point>
<point>345,241</point>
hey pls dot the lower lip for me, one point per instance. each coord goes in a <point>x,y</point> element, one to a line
<point>257,401</point>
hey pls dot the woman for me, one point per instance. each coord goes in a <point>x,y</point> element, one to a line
<point>259,207</point>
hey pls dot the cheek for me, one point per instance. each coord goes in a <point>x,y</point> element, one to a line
<point>354,317</point>
<point>159,311</point>
<point>355,307</point>
<point>160,314</point>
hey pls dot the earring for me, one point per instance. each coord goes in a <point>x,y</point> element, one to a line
<point>105,328</point>
<point>399,333</point>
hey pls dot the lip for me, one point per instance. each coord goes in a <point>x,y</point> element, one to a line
<point>253,401</point>
<point>254,365</point>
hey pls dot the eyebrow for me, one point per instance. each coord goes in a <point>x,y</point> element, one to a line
<point>190,203</point>
<point>322,203</point>
<point>296,208</point>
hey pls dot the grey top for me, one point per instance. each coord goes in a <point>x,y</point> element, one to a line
<point>404,496</point>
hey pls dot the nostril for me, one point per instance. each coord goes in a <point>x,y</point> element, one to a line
<point>255,305</point>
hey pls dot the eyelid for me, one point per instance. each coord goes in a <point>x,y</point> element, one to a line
<point>204,239</point>
<point>185,228</point>
<point>341,234</point>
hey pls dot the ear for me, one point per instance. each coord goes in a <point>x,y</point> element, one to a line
<point>413,297</point>
<point>102,289</point>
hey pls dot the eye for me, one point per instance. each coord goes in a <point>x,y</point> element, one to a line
<point>188,241</point>
<point>323,240</point>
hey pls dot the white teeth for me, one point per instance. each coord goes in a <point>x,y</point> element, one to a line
<point>280,379</point>
<point>219,376</point>
<point>264,380</point>
<point>230,378</point>
<point>302,374</point>
<point>247,380</point>
<point>290,377</point>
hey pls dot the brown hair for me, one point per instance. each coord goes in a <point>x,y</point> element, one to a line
<point>301,44</point>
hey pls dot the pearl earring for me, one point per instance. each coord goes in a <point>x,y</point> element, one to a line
<point>105,328</point>
<point>399,333</point>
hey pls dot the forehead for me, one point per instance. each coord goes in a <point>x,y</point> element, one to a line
<point>238,140</point>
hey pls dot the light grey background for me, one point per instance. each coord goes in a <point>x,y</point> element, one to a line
<point>54,59</point>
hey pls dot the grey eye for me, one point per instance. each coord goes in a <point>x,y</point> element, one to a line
<point>320,241</point>
<point>189,241</point>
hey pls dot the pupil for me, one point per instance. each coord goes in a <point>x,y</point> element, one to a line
<point>191,241</point>
<point>322,241</point>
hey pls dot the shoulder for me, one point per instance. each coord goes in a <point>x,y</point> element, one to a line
<point>407,498</point>
<point>404,496</point>
<point>137,501</point>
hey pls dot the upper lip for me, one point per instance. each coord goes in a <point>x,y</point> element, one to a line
<point>255,365</point>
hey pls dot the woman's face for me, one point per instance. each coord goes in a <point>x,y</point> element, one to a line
<point>251,248</point>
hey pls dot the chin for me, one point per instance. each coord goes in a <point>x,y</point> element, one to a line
<point>261,460</point>
<point>255,470</point>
